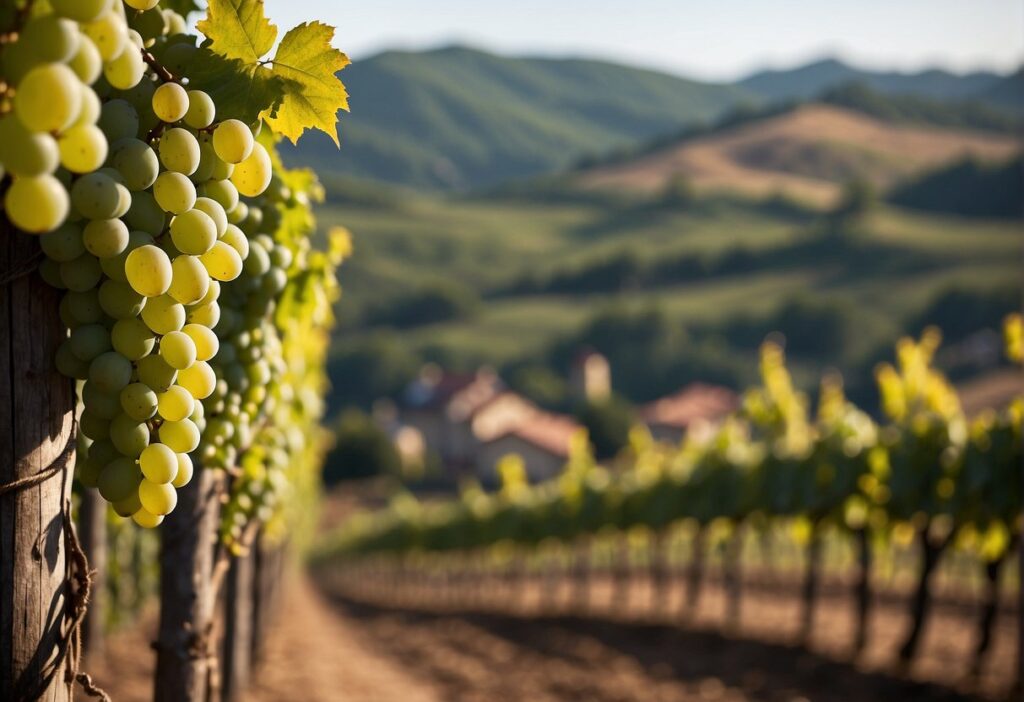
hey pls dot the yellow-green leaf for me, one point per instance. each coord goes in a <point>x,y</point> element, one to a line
<point>238,29</point>
<point>313,93</point>
<point>240,90</point>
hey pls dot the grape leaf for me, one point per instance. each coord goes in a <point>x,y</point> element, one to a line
<point>238,29</point>
<point>240,90</point>
<point>313,93</point>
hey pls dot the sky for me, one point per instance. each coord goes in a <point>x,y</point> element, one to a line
<point>709,39</point>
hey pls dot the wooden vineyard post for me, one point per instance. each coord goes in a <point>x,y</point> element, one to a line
<point>92,519</point>
<point>36,446</point>
<point>238,625</point>
<point>186,656</point>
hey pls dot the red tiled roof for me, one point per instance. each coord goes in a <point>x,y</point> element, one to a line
<point>694,402</point>
<point>547,431</point>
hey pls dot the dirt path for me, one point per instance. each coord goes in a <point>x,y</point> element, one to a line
<point>312,655</point>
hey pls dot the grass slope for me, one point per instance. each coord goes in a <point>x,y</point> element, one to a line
<point>461,118</point>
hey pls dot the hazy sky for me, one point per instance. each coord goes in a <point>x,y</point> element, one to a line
<point>714,39</point>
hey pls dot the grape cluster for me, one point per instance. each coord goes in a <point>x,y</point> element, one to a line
<point>134,186</point>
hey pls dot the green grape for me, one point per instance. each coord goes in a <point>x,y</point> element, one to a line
<point>239,214</point>
<point>205,341</point>
<point>141,98</point>
<point>110,372</point>
<point>185,471</point>
<point>95,196</point>
<point>138,401</point>
<point>157,498</point>
<point>102,404</point>
<point>104,238</point>
<point>109,33</point>
<point>84,306</point>
<point>92,425</point>
<point>159,464</point>
<point>114,267</point>
<point>222,262</point>
<point>178,57</point>
<point>63,243</point>
<point>51,38</point>
<point>90,110</point>
<point>199,379</point>
<point>87,63</point>
<point>101,453</point>
<point>136,162</point>
<point>135,39</point>
<point>36,204</point>
<point>232,140</point>
<point>69,365</point>
<point>220,170</point>
<point>252,176</point>
<point>212,295</point>
<point>142,4</point>
<point>130,436</point>
<point>176,404</point>
<point>145,214</point>
<point>48,98</point>
<point>89,341</point>
<point>18,59</point>
<point>190,281</point>
<point>26,153</point>
<point>119,479</point>
<point>163,314</point>
<point>149,270</point>
<point>170,102</point>
<point>258,261</point>
<point>146,520</point>
<point>118,120</point>
<point>119,301</point>
<point>83,273</point>
<point>174,192</point>
<point>201,110</point>
<point>181,437</point>
<point>175,23</point>
<point>214,210</point>
<point>223,191</point>
<point>281,257</point>
<point>154,372</point>
<point>178,349</point>
<point>125,70</point>
<point>150,24</point>
<point>80,10</point>
<point>132,339</point>
<point>179,151</point>
<point>82,148</point>
<point>206,315</point>
<point>128,506</point>
<point>193,232</point>
<point>204,171</point>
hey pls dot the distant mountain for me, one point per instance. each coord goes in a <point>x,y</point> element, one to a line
<point>1007,92</point>
<point>458,118</point>
<point>808,81</point>
<point>968,188</point>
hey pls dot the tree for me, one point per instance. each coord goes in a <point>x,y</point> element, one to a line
<point>608,423</point>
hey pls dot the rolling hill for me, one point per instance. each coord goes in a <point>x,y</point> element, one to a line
<point>458,118</point>
<point>806,152</point>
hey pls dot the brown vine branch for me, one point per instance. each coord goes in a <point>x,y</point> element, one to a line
<point>158,68</point>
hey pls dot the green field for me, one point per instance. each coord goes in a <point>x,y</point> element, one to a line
<point>899,263</point>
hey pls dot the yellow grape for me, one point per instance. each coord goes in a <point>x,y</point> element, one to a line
<point>170,102</point>
<point>199,379</point>
<point>82,148</point>
<point>181,437</point>
<point>174,192</point>
<point>149,270</point>
<point>185,470</point>
<point>232,141</point>
<point>178,350</point>
<point>157,498</point>
<point>189,282</point>
<point>222,262</point>
<point>26,153</point>
<point>109,33</point>
<point>201,110</point>
<point>179,151</point>
<point>252,176</point>
<point>193,232</point>
<point>146,520</point>
<point>48,98</point>
<point>175,404</point>
<point>126,70</point>
<point>206,341</point>
<point>105,238</point>
<point>36,204</point>
<point>159,464</point>
<point>163,314</point>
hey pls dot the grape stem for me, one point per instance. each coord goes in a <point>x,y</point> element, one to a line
<point>158,68</point>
